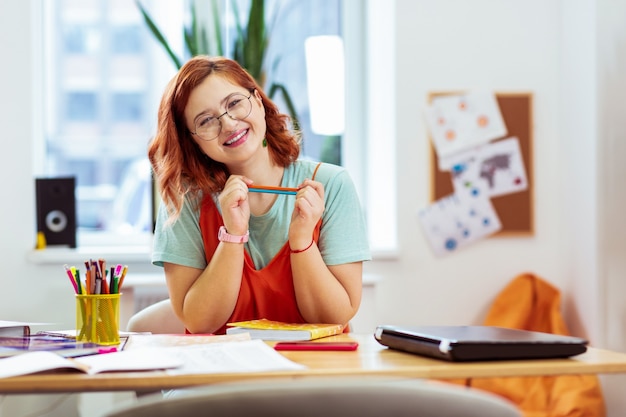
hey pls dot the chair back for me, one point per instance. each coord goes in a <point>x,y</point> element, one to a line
<point>329,398</point>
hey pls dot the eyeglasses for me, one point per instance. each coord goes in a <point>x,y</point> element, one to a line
<point>238,107</point>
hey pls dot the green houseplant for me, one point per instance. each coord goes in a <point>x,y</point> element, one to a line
<point>204,37</point>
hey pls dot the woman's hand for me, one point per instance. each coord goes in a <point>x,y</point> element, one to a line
<point>308,210</point>
<point>234,205</point>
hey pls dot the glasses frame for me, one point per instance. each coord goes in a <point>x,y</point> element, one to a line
<point>219,118</point>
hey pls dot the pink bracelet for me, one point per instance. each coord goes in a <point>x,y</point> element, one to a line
<point>302,250</point>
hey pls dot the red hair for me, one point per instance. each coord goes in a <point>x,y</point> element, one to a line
<point>180,167</point>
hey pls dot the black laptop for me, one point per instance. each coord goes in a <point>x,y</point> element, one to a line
<point>478,343</point>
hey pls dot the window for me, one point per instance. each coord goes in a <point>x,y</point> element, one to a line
<point>127,39</point>
<point>97,94</point>
<point>81,106</point>
<point>127,107</point>
<point>104,77</point>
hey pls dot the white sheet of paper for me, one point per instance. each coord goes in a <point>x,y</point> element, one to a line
<point>136,360</point>
<point>459,219</point>
<point>131,360</point>
<point>32,362</point>
<point>461,122</point>
<point>497,167</point>
<point>245,356</point>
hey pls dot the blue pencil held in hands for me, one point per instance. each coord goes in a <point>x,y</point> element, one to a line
<point>272,190</point>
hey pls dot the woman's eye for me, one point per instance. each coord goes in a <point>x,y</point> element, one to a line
<point>205,121</point>
<point>234,103</point>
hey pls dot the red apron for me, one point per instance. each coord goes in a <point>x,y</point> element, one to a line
<point>266,293</point>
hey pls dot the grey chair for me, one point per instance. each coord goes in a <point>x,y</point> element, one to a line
<point>338,397</point>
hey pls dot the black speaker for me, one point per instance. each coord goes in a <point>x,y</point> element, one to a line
<point>56,210</point>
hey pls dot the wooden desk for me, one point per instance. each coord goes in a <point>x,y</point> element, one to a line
<point>371,359</point>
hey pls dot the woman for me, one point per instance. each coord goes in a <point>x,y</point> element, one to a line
<point>230,254</point>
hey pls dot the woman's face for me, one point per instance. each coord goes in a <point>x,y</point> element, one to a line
<point>239,138</point>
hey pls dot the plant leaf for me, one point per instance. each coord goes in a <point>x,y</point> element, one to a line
<point>191,33</point>
<point>158,35</point>
<point>255,43</point>
<point>277,87</point>
<point>217,25</point>
<point>249,47</point>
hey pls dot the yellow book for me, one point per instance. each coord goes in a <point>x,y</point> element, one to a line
<point>274,330</point>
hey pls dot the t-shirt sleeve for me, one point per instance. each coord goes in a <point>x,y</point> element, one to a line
<point>179,242</point>
<point>343,236</point>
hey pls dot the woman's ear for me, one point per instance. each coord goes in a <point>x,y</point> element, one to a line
<point>257,95</point>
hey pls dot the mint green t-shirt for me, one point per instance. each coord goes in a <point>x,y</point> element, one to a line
<point>343,235</point>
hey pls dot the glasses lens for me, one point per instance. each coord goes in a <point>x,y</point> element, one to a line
<point>239,107</point>
<point>208,128</point>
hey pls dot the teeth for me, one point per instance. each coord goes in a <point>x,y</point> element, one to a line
<point>236,138</point>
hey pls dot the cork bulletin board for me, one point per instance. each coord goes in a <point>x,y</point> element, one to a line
<point>514,210</point>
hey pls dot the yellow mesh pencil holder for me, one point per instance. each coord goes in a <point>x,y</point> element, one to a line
<point>98,318</point>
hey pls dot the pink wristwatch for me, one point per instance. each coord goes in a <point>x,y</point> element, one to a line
<point>224,236</point>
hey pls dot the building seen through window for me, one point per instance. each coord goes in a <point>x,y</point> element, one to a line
<point>103,79</point>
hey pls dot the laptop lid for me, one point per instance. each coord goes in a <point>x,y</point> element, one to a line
<point>478,343</point>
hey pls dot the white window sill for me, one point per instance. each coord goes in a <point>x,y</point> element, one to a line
<point>370,280</point>
<point>121,254</point>
<point>141,254</point>
<point>137,248</point>
<point>56,256</point>
<point>124,254</point>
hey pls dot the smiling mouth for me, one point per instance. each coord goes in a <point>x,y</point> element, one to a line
<point>236,138</point>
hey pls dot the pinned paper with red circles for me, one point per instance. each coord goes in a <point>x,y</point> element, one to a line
<point>464,121</point>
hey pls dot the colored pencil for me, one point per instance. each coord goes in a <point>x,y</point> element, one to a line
<point>272,190</point>
<point>72,278</point>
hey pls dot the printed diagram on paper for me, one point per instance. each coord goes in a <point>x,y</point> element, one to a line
<point>496,166</point>
<point>458,220</point>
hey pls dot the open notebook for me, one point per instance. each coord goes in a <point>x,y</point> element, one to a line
<point>473,343</point>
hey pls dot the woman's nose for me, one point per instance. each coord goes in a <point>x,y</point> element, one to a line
<point>228,122</point>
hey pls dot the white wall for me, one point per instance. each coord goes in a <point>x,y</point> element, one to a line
<point>577,114</point>
<point>448,45</point>
<point>16,221</point>
<point>571,54</point>
<point>611,193</point>
<point>611,140</point>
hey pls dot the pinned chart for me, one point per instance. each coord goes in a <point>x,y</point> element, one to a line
<point>458,220</point>
<point>463,121</point>
<point>496,166</point>
<point>502,166</point>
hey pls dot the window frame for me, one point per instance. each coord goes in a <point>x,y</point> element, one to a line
<point>369,38</point>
